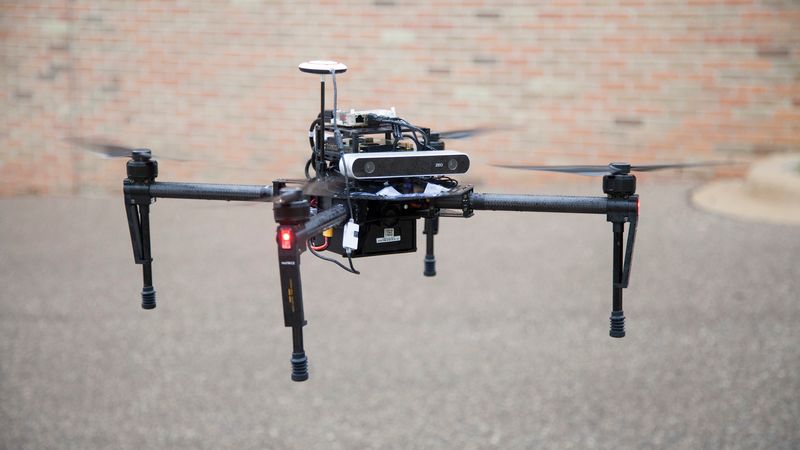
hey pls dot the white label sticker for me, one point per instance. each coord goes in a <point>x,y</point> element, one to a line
<point>388,236</point>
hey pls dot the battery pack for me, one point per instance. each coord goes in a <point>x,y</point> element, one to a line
<point>378,239</point>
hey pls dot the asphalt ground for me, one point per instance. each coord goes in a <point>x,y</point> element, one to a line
<point>507,347</point>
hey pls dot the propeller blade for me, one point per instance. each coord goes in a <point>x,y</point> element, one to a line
<point>652,167</point>
<point>591,171</point>
<point>465,133</point>
<point>103,149</point>
<point>106,149</point>
<point>614,168</point>
<point>325,186</point>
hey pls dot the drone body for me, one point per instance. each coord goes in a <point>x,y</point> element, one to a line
<point>375,176</point>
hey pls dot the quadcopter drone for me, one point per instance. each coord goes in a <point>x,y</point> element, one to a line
<point>374,176</point>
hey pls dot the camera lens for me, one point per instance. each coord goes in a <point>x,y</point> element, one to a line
<point>369,167</point>
<point>452,164</point>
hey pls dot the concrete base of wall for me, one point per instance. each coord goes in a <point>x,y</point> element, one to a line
<point>770,193</point>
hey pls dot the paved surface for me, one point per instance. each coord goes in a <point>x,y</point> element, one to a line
<point>507,347</point>
<point>770,193</point>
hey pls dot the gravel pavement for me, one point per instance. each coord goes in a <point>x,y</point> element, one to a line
<point>507,347</point>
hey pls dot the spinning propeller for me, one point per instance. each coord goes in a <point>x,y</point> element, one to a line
<point>325,185</point>
<point>103,149</point>
<point>617,168</point>
<point>465,133</point>
<point>106,149</point>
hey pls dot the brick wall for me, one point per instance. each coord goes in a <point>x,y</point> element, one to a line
<point>216,82</point>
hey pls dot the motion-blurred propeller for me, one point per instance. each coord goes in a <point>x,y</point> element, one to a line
<point>106,149</point>
<point>465,133</point>
<point>102,149</point>
<point>325,185</point>
<point>613,168</point>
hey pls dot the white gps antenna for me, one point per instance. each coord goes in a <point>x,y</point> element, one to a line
<point>322,68</point>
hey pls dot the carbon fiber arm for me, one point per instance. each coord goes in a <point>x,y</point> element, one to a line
<point>202,191</point>
<point>331,217</point>
<point>540,203</point>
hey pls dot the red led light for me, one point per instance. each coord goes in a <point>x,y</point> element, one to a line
<point>286,239</point>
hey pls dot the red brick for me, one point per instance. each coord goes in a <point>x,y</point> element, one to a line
<point>154,76</point>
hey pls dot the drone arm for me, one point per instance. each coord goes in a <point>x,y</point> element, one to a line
<point>619,207</point>
<point>202,191</point>
<point>331,217</point>
<point>539,203</point>
<point>141,189</point>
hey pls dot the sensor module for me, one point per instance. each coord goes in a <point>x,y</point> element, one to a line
<point>379,165</point>
<point>360,118</point>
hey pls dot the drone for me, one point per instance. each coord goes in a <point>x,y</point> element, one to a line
<point>374,176</point>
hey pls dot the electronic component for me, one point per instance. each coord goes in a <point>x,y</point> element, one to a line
<point>380,165</point>
<point>350,235</point>
<point>354,118</point>
<point>385,228</point>
<point>286,238</point>
<point>322,67</point>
